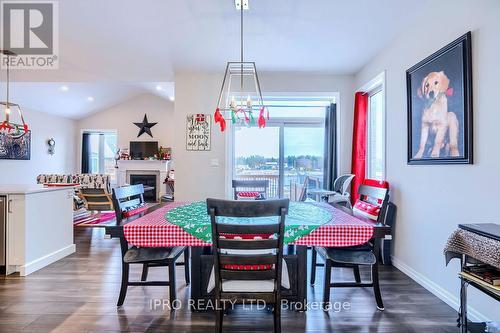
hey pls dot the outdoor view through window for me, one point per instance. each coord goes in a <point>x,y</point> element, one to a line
<point>297,131</point>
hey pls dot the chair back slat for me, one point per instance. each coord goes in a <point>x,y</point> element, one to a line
<point>258,208</point>
<point>127,197</point>
<point>248,244</point>
<point>248,275</point>
<point>242,229</point>
<point>124,205</point>
<point>231,251</point>
<point>246,259</point>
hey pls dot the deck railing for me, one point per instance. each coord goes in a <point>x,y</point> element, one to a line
<point>273,189</point>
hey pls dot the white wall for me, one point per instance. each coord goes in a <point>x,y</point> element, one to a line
<point>43,127</point>
<point>196,179</point>
<point>432,200</point>
<point>121,118</point>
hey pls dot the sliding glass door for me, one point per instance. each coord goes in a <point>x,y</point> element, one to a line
<point>303,156</point>
<point>257,155</point>
<point>289,151</point>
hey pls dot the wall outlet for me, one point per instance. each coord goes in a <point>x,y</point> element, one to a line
<point>214,162</point>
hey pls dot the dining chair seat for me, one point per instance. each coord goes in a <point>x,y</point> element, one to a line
<point>139,255</point>
<point>348,256</point>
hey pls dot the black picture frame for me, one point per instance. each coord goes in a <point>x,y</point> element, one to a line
<point>450,67</point>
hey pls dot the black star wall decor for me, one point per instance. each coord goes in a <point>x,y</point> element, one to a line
<point>145,126</point>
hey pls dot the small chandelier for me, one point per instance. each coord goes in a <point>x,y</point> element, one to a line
<point>240,93</point>
<point>7,127</point>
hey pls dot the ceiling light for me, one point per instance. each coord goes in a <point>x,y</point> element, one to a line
<point>64,88</point>
<point>90,99</point>
<point>159,88</point>
<point>7,127</point>
<point>240,93</point>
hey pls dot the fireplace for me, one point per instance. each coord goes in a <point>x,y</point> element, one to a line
<point>126,168</point>
<point>150,185</point>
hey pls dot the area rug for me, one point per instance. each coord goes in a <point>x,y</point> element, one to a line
<point>94,219</point>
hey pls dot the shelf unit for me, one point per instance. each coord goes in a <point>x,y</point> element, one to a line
<point>465,325</point>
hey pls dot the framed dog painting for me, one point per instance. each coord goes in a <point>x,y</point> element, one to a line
<point>439,93</point>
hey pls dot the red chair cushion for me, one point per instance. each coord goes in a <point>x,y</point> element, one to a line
<point>248,194</point>
<point>367,209</point>
<point>135,211</point>
<point>247,267</point>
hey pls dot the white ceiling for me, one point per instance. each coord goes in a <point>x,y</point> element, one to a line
<point>131,41</point>
<point>76,100</point>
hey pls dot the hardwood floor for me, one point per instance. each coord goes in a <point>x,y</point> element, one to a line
<point>79,294</point>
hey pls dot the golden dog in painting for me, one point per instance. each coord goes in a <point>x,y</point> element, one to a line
<point>436,119</point>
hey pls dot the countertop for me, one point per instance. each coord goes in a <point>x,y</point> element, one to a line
<point>29,188</point>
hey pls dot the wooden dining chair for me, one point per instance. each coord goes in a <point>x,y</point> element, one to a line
<point>96,199</point>
<point>257,188</point>
<point>129,201</point>
<point>260,278</point>
<point>355,256</point>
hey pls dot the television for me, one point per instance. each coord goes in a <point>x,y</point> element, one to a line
<point>140,150</point>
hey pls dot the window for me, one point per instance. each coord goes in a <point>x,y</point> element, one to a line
<point>285,152</point>
<point>376,135</point>
<point>101,153</point>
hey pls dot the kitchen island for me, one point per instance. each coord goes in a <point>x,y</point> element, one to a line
<point>38,228</point>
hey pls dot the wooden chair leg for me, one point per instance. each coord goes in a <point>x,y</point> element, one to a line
<point>277,316</point>
<point>314,256</point>
<point>145,269</point>
<point>171,282</point>
<point>382,252</point>
<point>326,287</point>
<point>123,289</point>
<point>219,318</point>
<point>187,258</point>
<point>376,287</point>
<point>357,275</point>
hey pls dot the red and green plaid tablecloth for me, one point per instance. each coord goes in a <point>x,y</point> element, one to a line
<point>187,224</point>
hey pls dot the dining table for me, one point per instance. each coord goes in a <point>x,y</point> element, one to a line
<point>308,224</point>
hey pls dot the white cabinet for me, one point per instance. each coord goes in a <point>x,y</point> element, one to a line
<point>39,228</point>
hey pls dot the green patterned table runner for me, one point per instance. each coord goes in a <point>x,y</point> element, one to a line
<point>302,219</point>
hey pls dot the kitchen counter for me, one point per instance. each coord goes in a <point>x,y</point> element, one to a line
<point>29,189</point>
<point>39,228</point>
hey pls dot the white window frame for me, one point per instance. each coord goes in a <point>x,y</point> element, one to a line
<point>377,84</point>
<point>333,97</point>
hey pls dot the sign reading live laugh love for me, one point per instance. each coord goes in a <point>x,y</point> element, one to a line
<point>198,128</point>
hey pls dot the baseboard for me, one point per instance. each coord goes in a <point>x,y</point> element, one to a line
<point>437,290</point>
<point>50,258</point>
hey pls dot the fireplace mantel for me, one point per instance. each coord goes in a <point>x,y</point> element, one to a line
<point>154,167</point>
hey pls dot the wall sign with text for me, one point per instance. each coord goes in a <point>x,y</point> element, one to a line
<point>198,132</point>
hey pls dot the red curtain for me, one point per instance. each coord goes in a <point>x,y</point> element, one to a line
<point>358,165</point>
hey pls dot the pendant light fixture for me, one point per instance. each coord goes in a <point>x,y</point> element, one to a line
<point>240,94</point>
<point>7,127</point>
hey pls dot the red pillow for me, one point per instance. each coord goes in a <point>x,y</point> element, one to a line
<point>366,209</point>
<point>247,267</point>
<point>374,183</point>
